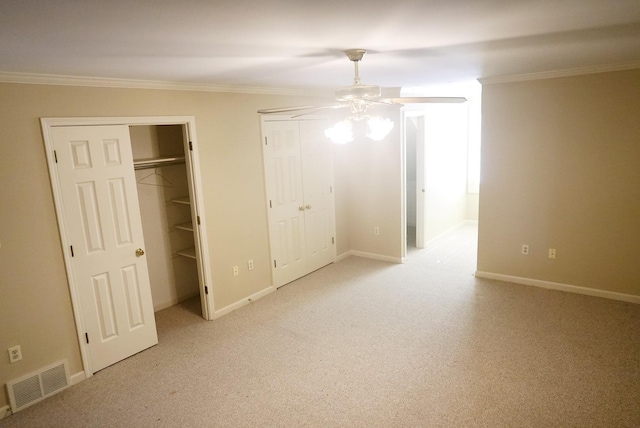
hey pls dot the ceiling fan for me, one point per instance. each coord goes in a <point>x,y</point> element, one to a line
<point>359,97</point>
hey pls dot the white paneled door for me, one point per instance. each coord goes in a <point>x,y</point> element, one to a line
<point>286,202</point>
<point>298,174</point>
<point>317,179</point>
<point>103,225</point>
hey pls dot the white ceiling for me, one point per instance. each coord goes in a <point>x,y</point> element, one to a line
<point>299,43</point>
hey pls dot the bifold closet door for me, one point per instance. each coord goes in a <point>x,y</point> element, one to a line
<point>102,222</point>
<point>298,174</point>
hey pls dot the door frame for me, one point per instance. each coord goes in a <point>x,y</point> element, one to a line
<point>420,174</point>
<point>195,192</point>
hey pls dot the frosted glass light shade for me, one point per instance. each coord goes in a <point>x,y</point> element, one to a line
<point>341,132</point>
<point>377,128</point>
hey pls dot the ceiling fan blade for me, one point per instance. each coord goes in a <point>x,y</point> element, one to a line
<point>420,100</point>
<point>284,109</point>
<point>320,108</point>
<point>312,109</point>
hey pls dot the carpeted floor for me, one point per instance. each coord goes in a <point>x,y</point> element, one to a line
<point>363,343</point>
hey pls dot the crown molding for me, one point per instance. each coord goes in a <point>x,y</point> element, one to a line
<point>560,73</point>
<point>104,82</point>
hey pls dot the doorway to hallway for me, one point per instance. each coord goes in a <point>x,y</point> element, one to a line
<point>442,170</point>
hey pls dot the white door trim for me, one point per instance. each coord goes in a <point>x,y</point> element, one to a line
<point>195,190</point>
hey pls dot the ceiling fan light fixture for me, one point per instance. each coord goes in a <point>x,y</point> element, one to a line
<point>378,127</point>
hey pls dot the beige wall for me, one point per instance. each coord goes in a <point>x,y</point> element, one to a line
<point>561,169</point>
<point>374,197</point>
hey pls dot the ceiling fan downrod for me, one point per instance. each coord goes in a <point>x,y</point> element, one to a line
<point>356,55</point>
<point>357,91</point>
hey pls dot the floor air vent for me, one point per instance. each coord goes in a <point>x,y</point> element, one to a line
<point>37,386</point>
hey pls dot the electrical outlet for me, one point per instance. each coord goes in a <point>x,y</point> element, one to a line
<point>525,249</point>
<point>236,272</point>
<point>376,230</point>
<point>552,253</point>
<point>15,354</point>
<point>250,264</point>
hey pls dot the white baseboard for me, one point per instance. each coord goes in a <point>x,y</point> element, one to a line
<point>342,256</point>
<point>240,303</point>
<point>77,378</point>
<point>369,256</point>
<point>561,287</point>
<point>4,412</point>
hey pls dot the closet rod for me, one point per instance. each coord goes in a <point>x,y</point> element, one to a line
<point>155,163</point>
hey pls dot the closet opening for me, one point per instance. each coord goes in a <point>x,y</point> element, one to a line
<point>165,208</point>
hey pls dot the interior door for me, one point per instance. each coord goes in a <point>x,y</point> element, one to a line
<point>318,194</point>
<point>420,183</point>
<point>103,225</point>
<point>286,202</point>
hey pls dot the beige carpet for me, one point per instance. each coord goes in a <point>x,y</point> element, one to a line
<point>363,343</point>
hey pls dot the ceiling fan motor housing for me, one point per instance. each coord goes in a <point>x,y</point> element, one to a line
<point>358,92</point>
<point>355,54</point>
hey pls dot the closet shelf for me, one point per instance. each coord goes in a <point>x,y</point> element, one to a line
<point>157,162</point>
<point>185,226</point>
<point>189,252</point>
<point>184,200</point>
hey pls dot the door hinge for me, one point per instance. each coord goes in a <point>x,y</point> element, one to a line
<point>55,156</point>
<point>330,189</point>
<point>265,141</point>
<point>270,205</point>
<point>72,251</point>
<point>206,290</point>
<point>198,219</point>
<point>190,146</point>
<point>86,337</point>
<point>333,240</point>
<point>275,264</point>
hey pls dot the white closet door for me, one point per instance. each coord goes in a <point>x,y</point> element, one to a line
<point>102,221</point>
<point>286,202</point>
<point>317,179</point>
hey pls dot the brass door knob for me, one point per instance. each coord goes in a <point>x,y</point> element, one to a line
<point>301,208</point>
<point>308,207</point>
<point>139,252</point>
